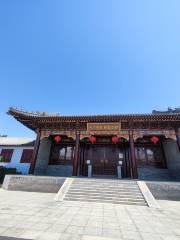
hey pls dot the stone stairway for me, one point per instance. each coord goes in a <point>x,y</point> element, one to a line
<point>105,191</point>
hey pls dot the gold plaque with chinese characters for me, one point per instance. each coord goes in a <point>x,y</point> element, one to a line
<point>104,128</point>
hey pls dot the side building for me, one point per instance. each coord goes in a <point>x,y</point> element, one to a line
<point>16,152</point>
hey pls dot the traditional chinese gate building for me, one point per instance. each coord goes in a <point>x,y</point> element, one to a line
<point>147,145</point>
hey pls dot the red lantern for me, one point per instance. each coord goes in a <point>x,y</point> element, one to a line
<point>154,139</point>
<point>115,139</point>
<point>57,139</point>
<point>92,139</point>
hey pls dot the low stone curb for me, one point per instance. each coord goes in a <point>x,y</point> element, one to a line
<point>152,203</point>
<point>63,190</point>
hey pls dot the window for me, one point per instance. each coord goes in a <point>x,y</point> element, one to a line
<point>6,155</point>
<point>26,156</point>
<point>69,152</point>
<point>149,155</point>
<point>61,155</point>
<point>141,155</point>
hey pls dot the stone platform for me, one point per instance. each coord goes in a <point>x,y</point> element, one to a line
<point>32,183</point>
<point>164,190</point>
<point>50,184</point>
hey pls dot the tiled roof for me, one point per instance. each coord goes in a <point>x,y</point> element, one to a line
<point>15,111</point>
<point>16,141</point>
<point>33,119</point>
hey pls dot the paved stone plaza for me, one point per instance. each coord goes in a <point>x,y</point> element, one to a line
<point>37,216</point>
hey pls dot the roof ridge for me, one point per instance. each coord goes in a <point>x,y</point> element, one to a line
<point>13,110</point>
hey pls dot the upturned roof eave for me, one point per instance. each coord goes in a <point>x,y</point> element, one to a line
<point>28,115</point>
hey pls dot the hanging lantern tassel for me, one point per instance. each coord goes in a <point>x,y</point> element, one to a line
<point>92,139</point>
<point>115,139</point>
<point>57,139</point>
<point>154,139</point>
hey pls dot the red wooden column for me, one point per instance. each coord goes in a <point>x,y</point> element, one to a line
<point>35,152</point>
<point>132,154</point>
<point>76,155</point>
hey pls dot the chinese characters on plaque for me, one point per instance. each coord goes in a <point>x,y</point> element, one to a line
<point>104,128</point>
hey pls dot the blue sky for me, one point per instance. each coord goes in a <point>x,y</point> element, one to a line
<point>88,57</point>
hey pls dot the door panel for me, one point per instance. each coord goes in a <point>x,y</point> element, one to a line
<point>104,160</point>
<point>110,161</point>
<point>98,160</point>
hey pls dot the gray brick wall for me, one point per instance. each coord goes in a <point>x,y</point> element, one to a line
<point>43,157</point>
<point>59,170</point>
<point>172,154</point>
<point>152,173</point>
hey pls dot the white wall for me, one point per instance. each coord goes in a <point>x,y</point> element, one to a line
<point>16,158</point>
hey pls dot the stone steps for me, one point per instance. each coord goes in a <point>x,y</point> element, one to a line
<point>105,196</point>
<point>115,182</point>
<point>92,192</point>
<point>128,202</point>
<point>105,191</point>
<point>106,184</point>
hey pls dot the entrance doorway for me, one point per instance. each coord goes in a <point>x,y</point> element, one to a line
<point>104,160</point>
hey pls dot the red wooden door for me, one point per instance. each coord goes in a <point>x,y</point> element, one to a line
<point>98,160</point>
<point>110,161</point>
<point>104,161</point>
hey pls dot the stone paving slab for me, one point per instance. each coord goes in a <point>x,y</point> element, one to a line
<point>37,216</point>
<point>95,238</point>
<point>11,238</point>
